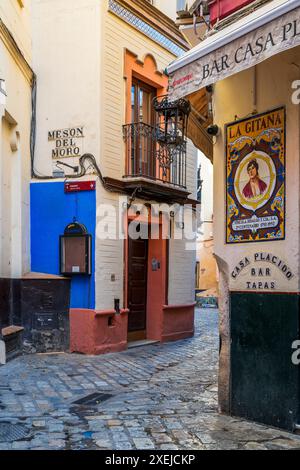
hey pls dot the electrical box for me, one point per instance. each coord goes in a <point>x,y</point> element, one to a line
<point>75,250</point>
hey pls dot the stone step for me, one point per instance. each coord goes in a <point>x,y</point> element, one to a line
<point>10,343</point>
<point>143,342</point>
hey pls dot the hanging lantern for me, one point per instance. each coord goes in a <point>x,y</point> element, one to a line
<point>172,120</point>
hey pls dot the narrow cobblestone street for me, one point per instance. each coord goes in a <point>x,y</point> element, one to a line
<point>162,396</point>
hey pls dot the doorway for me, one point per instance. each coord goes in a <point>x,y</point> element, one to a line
<point>137,288</point>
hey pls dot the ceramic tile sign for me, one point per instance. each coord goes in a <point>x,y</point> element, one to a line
<point>255,169</point>
<point>261,271</point>
<point>66,142</point>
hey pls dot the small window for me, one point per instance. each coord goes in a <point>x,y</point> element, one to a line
<point>142,109</point>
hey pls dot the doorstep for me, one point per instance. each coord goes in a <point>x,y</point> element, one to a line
<point>142,342</point>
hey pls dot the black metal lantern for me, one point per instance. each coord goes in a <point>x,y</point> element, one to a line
<point>171,133</point>
<point>172,120</point>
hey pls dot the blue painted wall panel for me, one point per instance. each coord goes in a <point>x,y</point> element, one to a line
<point>51,211</point>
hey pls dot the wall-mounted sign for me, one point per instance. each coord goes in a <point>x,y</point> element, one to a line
<point>67,142</point>
<point>214,63</point>
<point>258,271</point>
<point>75,250</point>
<point>78,186</point>
<point>3,94</point>
<point>256,178</point>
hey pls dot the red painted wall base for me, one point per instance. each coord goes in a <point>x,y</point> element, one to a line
<point>98,332</point>
<point>178,322</point>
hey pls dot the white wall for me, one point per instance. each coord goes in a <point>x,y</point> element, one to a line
<point>67,61</point>
<point>168,7</point>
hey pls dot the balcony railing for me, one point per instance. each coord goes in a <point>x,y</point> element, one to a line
<point>148,157</point>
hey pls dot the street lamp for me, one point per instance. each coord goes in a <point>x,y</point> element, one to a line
<point>172,117</point>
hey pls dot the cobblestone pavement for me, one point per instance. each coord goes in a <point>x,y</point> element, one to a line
<point>162,396</point>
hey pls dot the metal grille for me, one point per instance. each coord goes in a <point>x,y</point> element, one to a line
<point>12,432</point>
<point>144,28</point>
<point>147,157</point>
<point>92,400</point>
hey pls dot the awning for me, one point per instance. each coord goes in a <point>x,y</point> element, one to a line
<point>198,135</point>
<point>269,30</point>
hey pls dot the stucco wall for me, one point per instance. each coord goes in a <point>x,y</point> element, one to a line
<point>235,97</point>
<point>168,7</point>
<point>181,273</point>
<point>15,116</point>
<point>274,89</point>
<point>51,211</point>
<point>78,56</point>
<point>67,60</point>
<point>118,36</point>
<point>16,15</point>
<point>205,242</point>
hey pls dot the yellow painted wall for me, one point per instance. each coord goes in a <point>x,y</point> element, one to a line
<point>116,37</point>
<point>208,267</point>
<point>15,117</point>
<point>16,15</point>
<point>205,243</point>
<point>234,97</point>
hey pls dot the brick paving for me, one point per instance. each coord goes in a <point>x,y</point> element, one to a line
<point>161,396</point>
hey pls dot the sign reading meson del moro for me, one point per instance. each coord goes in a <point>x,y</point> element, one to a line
<point>67,142</point>
<point>256,178</point>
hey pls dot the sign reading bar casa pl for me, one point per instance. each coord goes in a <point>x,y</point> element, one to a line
<point>256,178</point>
<point>281,34</point>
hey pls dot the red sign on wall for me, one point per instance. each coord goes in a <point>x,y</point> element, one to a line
<point>77,186</point>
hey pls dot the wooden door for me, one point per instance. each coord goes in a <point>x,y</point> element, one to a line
<point>137,287</point>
